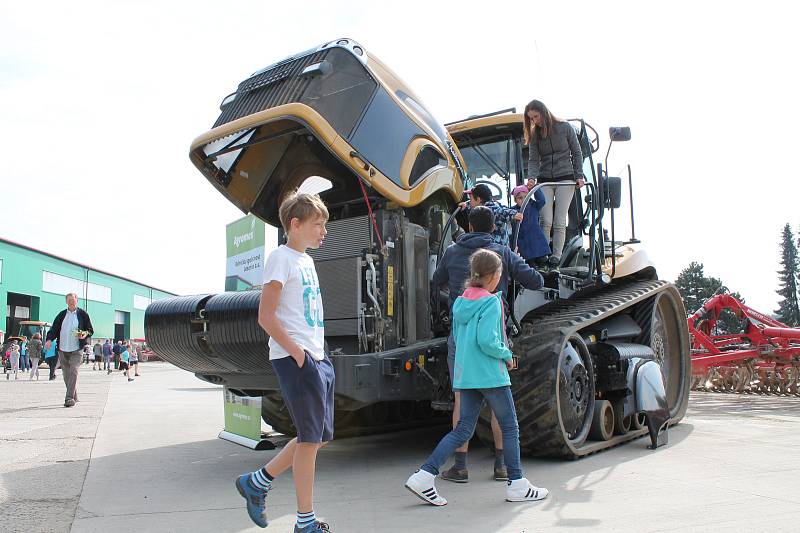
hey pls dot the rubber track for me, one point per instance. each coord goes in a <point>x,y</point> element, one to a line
<point>544,333</point>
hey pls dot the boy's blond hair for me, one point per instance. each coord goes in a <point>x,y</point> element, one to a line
<point>301,206</point>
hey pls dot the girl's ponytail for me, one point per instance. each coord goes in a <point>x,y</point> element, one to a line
<point>481,264</point>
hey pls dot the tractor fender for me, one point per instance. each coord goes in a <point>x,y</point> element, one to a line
<point>649,398</point>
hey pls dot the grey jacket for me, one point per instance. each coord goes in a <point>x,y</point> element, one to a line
<point>549,157</point>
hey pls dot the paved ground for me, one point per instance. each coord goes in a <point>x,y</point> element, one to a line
<point>143,456</point>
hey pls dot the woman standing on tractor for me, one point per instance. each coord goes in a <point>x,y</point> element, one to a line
<point>554,155</point>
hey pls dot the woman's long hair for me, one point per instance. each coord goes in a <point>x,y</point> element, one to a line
<point>548,120</point>
<point>481,264</point>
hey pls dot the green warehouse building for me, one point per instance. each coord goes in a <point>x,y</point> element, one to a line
<point>33,285</point>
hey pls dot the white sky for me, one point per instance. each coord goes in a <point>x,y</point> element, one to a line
<point>99,102</point>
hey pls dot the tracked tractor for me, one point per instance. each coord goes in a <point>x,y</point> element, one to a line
<point>602,349</point>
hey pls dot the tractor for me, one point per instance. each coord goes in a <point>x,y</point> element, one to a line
<point>602,348</point>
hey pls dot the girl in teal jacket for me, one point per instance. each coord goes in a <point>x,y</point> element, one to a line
<point>481,372</point>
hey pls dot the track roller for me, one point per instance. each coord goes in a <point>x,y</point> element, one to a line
<point>622,424</point>
<point>603,421</point>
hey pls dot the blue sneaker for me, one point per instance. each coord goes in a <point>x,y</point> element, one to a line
<point>316,527</point>
<point>256,499</point>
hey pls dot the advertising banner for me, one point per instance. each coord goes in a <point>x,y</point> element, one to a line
<point>245,253</point>
<point>243,415</point>
<point>245,264</point>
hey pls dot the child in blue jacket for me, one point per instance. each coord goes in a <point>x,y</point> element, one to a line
<point>532,244</point>
<point>481,372</point>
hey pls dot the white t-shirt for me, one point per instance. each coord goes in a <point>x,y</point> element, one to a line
<point>300,306</point>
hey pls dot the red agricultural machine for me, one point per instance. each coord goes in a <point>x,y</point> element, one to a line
<point>764,358</point>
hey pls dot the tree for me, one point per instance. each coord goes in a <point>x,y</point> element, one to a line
<point>692,284</point>
<point>788,310</point>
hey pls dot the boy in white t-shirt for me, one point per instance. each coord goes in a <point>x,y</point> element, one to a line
<point>291,313</point>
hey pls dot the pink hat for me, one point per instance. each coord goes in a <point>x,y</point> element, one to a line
<point>519,189</point>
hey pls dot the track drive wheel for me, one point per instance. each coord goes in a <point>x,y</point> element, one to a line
<point>553,392</point>
<point>667,335</point>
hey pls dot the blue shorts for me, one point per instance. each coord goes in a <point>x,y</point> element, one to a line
<point>308,394</point>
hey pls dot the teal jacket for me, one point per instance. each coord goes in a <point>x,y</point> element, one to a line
<point>479,334</point>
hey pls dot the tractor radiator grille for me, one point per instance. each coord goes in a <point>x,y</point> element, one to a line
<point>338,263</point>
<point>340,95</point>
<point>276,86</point>
<point>346,238</point>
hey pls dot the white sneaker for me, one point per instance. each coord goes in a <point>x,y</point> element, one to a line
<point>521,490</point>
<point>421,484</point>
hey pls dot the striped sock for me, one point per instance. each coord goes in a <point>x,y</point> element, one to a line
<point>305,519</point>
<point>261,479</point>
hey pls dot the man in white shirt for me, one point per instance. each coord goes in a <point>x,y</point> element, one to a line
<point>73,329</point>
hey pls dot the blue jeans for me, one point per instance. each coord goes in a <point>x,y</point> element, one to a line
<point>24,363</point>
<point>501,402</point>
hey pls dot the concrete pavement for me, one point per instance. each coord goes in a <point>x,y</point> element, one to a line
<point>156,465</point>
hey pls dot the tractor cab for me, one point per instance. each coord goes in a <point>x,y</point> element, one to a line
<point>495,154</point>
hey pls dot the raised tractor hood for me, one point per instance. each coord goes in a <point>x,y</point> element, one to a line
<point>336,112</point>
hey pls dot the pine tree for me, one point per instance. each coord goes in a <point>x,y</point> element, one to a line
<point>788,310</point>
<point>693,286</point>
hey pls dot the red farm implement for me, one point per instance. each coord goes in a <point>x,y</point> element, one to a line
<point>764,358</point>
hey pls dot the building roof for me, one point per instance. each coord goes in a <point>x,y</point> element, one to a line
<point>82,265</point>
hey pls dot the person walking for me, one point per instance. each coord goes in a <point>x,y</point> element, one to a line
<point>73,329</point>
<point>133,361</point>
<point>23,355</point>
<point>107,353</point>
<point>124,357</point>
<point>35,354</point>
<point>554,156</point>
<point>97,352</point>
<point>116,350</point>
<point>51,358</point>
<point>291,312</point>
<point>483,360</point>
<point>87,354</point>
<point>14,361</point>
<point>453,271</point>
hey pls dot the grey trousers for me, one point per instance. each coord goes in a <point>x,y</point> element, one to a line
<point>554,215</point>
<point>70,363</point>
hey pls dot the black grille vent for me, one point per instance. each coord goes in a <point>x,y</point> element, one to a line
<point>277,86</point>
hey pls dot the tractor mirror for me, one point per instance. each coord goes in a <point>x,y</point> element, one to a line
<point>619,134</point>
<point>612,187</point>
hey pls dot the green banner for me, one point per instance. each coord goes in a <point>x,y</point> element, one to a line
<point>243,415</point>
<point>245,253</point>
<point>244,235</point>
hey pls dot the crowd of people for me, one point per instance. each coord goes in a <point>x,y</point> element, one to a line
<point>121,355</point>
<point>25,357</point>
